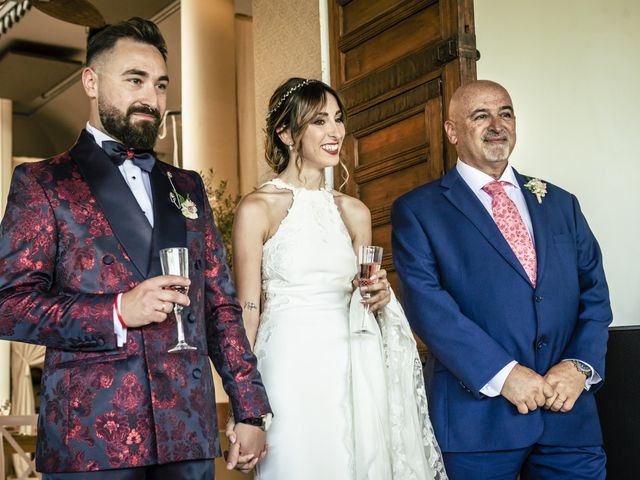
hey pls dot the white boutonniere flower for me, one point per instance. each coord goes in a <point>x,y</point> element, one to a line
<point>184,204</point>
<point>537,187</point>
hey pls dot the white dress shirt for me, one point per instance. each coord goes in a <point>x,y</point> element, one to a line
<point>476,179</point>
<point>140,185</point>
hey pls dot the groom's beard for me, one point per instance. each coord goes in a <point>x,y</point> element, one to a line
<point>140,136</point>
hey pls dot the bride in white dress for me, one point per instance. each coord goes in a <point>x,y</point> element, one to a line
<point>346,406</point>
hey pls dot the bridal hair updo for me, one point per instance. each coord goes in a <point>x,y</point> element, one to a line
<point>293,105</point>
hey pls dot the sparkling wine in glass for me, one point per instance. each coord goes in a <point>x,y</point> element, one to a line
<point>175,261</point>
<point>370,259</point>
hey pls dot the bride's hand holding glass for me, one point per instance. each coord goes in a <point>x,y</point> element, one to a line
<point>378,289</point>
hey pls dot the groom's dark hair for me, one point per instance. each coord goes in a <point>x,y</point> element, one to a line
<point>138,29</point>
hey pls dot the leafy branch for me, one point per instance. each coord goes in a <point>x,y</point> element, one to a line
<point>223,205</point>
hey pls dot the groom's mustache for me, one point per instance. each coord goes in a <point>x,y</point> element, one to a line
<point>143,109</point>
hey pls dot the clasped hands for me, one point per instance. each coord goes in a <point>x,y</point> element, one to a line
<point>247,446</point>
<point>557,390</point>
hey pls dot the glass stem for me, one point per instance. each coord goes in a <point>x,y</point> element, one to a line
<point>178,313</point>
<point>364,316</point>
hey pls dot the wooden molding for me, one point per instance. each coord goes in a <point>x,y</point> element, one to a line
<point>380,216</point>
<point>392,164</point>
<point>420,65</point>
<point>382,22</point>
<point>407,100</point>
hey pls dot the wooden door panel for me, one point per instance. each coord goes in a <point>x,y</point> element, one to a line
<point>381,235</point>
<point>402,136</point>
<point>392,43</point>
<point>396,63</point>
<point>358,12</point>
<point>383,191</point>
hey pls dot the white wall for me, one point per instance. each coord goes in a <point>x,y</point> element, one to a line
<point>572,68</point>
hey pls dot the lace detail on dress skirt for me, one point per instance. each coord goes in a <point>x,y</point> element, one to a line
<point>409,440</point>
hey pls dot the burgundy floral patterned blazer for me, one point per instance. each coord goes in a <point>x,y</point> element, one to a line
<point>72,237</point>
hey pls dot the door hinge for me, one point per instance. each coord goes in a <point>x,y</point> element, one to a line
<point>447,51</point>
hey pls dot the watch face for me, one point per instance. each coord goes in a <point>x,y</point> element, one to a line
<point>266,421</point>
<point>582,368</point>
<point>255,421</point>
<point>262,422</point>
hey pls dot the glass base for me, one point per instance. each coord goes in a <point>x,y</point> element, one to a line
<point>180,346</point>
<point>363,332</point>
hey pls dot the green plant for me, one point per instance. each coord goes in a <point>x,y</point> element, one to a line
<point>223,205</point>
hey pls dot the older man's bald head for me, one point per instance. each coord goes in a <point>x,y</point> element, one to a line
<point>470,92</point>
<point>482,125</point>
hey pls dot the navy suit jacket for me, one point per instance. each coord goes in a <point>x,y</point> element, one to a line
<point>469,299</point>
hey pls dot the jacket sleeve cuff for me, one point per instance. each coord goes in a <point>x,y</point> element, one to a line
<point>494,386</point>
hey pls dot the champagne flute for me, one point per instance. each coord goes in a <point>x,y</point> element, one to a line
<point>370,259</point>
<point>175,261</point>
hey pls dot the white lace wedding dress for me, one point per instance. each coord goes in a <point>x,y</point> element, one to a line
<point>346,406</point>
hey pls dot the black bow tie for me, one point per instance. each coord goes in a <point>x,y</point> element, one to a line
<point>118,153</point>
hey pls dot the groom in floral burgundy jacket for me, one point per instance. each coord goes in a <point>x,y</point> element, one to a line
<point>80,274</point>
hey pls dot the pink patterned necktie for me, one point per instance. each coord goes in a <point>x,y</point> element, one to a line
<point>509,221</point>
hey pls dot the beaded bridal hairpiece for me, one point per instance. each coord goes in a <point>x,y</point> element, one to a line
<point>288,94</point>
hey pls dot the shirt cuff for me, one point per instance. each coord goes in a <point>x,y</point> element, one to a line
<point>494,386</point>
<point>119,330</point>
<point>591,379</point>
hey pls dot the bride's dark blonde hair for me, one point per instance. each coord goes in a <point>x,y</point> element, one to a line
<point>293,105</point>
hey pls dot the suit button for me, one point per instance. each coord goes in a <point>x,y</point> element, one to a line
<point>108,259</point>
<point>538,298</point>
<point>197,373</point>
<point>541,344</point>
<point>191,317</point>
<point>100,341</point>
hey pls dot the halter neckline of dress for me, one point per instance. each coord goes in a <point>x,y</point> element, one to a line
<point>279,183</point>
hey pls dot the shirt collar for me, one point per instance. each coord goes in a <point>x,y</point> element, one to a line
<point>98,135</point>
<point>477,179</point>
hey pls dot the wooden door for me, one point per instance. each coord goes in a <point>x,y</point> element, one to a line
<point>397,63</point>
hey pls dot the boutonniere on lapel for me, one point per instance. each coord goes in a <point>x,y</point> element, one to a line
<point>184,204</point>
<point>537,187</point>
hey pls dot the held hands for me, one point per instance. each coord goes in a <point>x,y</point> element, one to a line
<point>526,389</point>
<point>247,446</point>
<point>378,289</point>
<point>152,300</point>
<point>568,384</point>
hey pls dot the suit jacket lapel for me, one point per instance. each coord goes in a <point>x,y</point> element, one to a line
<point>460,195</point>
<point>538,214</point>
<point>169,229</point>
<point>126,218</point>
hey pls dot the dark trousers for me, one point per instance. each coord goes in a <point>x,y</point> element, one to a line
<point>189,470</point>
<point>538,462</point>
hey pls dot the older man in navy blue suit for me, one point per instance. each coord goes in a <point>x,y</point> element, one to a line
<point>503,280</point>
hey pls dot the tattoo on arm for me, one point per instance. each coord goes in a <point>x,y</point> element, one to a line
<point>250,306</point>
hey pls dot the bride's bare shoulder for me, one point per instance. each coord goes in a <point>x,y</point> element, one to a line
<point>266,201</point>
<point>356,217</point>
<point>352,209</point>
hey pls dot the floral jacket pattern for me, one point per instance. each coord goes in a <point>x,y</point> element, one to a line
<point>73,236</point>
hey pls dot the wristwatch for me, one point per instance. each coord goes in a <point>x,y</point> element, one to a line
<point>262,422</point>
<point>582,368</point>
